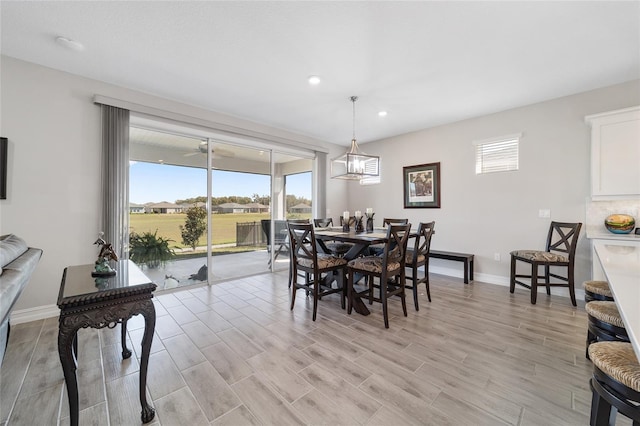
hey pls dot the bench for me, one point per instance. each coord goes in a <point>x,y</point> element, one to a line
<point>458,257</point>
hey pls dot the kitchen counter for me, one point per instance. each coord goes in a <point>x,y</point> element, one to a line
<point>606,235</point>
<point>621,265</point>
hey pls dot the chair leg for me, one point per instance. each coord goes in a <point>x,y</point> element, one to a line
<point>572,290</point>
<point>414,278</point>
<point>426,277</point>
<point>534,283</point>
<point>591,338</point>
<point>403,296</point>
<point>343,283</point>
<point>512,276</point>
<point>293,295</point>
<point>383,299</point>
<point>601,412</point>
<point>547,279</point>
<point>350,292</point>
<point>316,294</point>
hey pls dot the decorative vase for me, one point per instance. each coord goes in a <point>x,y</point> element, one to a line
<point>370,224</point>
<point>359,226</point>
<point>620,223</point>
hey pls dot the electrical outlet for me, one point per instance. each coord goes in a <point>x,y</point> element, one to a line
<point>496,256</point>
<point>544,213</point>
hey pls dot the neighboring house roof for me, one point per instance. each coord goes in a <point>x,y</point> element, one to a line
<point>140,206</point>
<point>231,206</point>
<point>256,206</point>
<point>301,206</point>
<point>163,205</point>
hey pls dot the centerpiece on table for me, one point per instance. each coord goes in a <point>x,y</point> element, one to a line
<point>369,213</point>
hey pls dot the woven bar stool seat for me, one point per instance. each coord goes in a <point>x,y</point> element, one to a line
<point>605,323</point>
<point>597,290</point>
<point>615,382</point>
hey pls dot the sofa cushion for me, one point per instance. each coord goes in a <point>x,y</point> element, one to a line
<point>11,246</point>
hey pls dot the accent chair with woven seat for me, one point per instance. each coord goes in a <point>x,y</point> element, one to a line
<point>605,323</point>
<point>597,290</point>
<point>336,248</point>
<point>390,265</point>
<point>560,251</point>
<point>419,257</point>
<point>615,383</point>
<point>305,258</point>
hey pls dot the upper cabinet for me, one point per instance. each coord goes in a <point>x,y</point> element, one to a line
<point>615,154</point>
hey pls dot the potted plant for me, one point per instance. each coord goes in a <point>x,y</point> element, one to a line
<point>149,249</point>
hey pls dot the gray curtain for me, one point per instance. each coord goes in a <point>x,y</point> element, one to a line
<point>115,178</point>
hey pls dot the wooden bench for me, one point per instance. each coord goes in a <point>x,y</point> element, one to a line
<point>458,257</point>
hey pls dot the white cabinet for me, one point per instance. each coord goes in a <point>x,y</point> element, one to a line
<point>615,154</point>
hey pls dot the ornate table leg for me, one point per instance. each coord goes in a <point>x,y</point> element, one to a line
<point>66,343</point>
<point>148,311</point>
<point>126,353</point>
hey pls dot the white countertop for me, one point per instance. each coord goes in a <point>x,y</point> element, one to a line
<point>603,234</point>
<point>621,265</point>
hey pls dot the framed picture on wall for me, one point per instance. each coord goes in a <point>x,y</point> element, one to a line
<point>422,186</point>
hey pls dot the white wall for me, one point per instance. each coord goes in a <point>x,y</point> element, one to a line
<point>498,213</point>
<point>53,194</point>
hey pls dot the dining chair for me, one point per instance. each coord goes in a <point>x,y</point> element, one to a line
<point>279,239</point>
<point>419,257</point>
<point>305,257</point>
<point>560,251</point>
<point>388,268</point>
<point>336,248</point>
<point>287,245</point>
<point>377,249</point>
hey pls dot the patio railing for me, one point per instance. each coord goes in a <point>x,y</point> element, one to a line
<point>250,234</point>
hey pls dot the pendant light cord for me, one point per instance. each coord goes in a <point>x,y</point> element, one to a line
<point>353,100</point>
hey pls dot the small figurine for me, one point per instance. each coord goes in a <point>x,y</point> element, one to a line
<point>102,267</point>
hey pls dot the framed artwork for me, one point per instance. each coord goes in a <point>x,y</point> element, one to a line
<point>422,186</point>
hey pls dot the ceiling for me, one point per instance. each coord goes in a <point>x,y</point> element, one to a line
<point>425,63</point>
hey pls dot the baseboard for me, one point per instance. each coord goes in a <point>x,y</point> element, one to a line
<point>49,311</point>
<point>34,314</point>
<point>501,280</point>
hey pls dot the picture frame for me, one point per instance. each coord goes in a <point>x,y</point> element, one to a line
<point>421,186</point>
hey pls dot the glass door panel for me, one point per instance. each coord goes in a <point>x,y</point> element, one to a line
<point>240,204</point>
<point>167,194</point>
<point>292,189</point>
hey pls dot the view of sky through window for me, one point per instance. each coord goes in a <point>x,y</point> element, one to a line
<point>153,183</point>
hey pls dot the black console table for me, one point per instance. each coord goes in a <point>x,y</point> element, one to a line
<point>85,301</point>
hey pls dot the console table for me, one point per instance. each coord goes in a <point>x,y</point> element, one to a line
<point>85,301</point>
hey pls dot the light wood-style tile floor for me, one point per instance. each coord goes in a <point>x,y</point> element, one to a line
<point>234,354</point>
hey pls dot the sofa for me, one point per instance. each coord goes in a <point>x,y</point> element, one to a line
<point>17,263</point>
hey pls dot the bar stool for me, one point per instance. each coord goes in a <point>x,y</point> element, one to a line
<point>605,323</point>
<point>597,290</point>
<point>615,382</point>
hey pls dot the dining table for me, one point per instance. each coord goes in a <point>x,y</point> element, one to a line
<point>361,242</point>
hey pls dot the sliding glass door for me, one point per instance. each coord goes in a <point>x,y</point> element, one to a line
<point>203,210</point>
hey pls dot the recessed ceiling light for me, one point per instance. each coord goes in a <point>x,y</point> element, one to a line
<point>382,114</point>
<point>70,44</point>
<point>314,80</point>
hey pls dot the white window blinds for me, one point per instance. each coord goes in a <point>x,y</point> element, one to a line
<point>497,154</point>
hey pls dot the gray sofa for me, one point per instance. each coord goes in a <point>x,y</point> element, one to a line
<point>17,263</point>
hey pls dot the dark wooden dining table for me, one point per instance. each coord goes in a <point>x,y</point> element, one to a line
<point>361,242</point>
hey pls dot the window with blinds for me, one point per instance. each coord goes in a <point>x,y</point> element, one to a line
<point>371,168</point>
<point>497,154</point>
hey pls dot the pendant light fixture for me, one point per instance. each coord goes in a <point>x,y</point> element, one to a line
<point>355,165</point>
